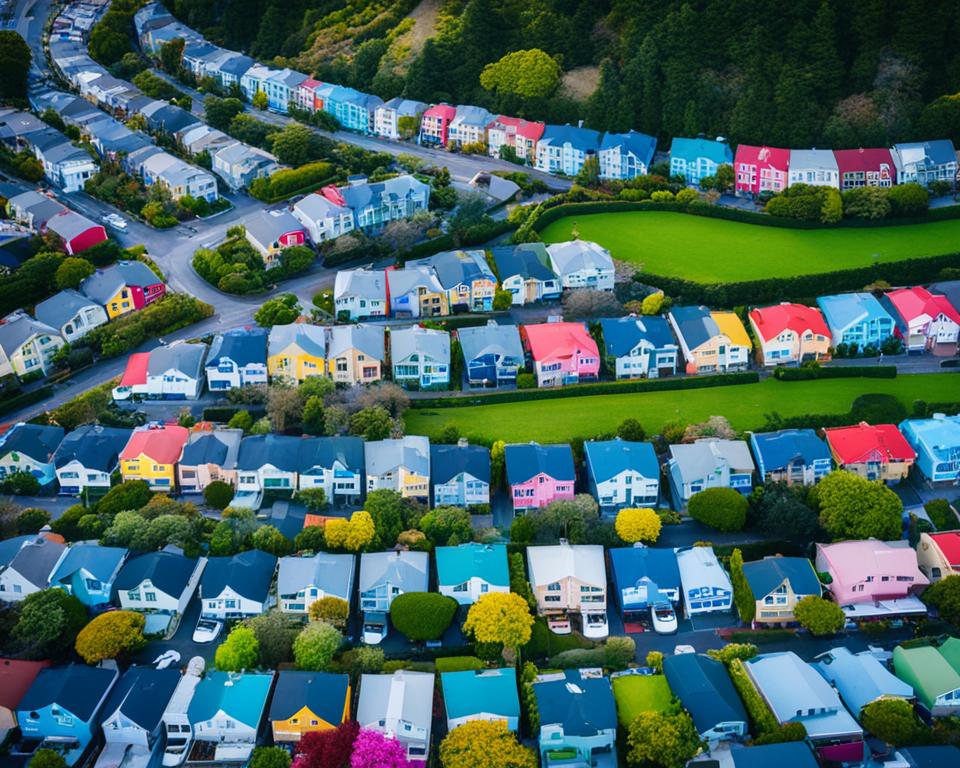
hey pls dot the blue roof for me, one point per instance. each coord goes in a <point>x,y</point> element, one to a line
<point>792,754</point>
<point>696,325</point>
<point>324,694</point>
<point>241,345</point>
<point>527,460</point>
<point>249,574</point>
<point>705,690</point>
<point>38,441</point>
<point>448,461</point>
<point>936,436</point>
<point>631,565</point>
<point>766,575</point>
<point>776,450</point>
<point>142,695</point>
<point>529,260</point>
<point>693,149</point>
<point>455,565</point>
<point>76,688</point>
<point>584,139</point>
<point>844,309</point>
<point>94,446</point>
<point>240,696</point>
<point>639,144</point>
<point>584,707</point>
<point>99,562</point>
<point>932,756</point>
<point>939,151</point>
<point>608,458</point>
<point>859,678</point>
<point>167,571</point>
<point>621,335</point>
<point>482,691</point>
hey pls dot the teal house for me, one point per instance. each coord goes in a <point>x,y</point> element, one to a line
<point>937,443</point>
<point>856,318</point>
<point>469,571</point>
<point>481,694</point>
<point>695,159</point>
<point>87,571</point>
<point>227,709</point>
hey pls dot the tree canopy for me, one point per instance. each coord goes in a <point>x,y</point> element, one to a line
<point>852,507</point>
<point>819,616</point>
<point>422,615</point>
<point>723,509</point>
<point>501,618</point>
<point>240,651</point>
<point>638,524</point>
<point>484,744</point>
<point>15,64</point>
<point>315,646</point>
<point>111,635</point>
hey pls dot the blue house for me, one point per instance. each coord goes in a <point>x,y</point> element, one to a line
<point>460,475</point>
<point>492,354</point>
<point>577,714</point>
<point>354,110</point>
<point>481,694</point>
<point>791,456</point>
<point>88,571</point>
<point>856,318</point>
<point>860,678</point>
<point>626,155</point>
<point>705,690</point>
<point>639,347</point>
<point>469,571</point>
<point>622,473</point>
<point>643,576</point>
<point>937,443</point>
<point>696,158</point>
<point>525,271</point>
<point>63,707</point>
<point>565,148</point>
<point>30,448</point>
<point>777,585</point>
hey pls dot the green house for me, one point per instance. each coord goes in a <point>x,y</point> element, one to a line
<point>934,674</point>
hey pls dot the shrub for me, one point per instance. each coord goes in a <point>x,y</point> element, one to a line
<point>655,660</point>
<point>21,484</point>
<point>332,610</point>
<point>110,635</point>
<point>619,652</point>
<point>240,651</point>
<point>422,615</point>
<point>723,509</point>
<point>218,494</point>
<point>47,758</point>
<point>731,651</point>
<point>32,520</point>
<point>270,757</point>
<point>892,721</point>
<point>641,524</point>
<point>315,646</point>
<point>852,507</point>
<point>762,719</point>
<point>526,381</point>
<point>458,663</point>
<point>819,616</point>
<point>941,514</point>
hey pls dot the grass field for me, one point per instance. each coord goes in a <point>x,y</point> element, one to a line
<point>745,405</point>
<point>635,694</point>
<point>715,250</point>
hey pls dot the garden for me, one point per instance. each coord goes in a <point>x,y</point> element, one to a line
<point>640,693</point>
<point>236,267</point>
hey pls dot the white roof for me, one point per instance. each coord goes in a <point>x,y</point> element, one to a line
<point>575,255</point>
<point>583,562</point>
<point>699,567</point>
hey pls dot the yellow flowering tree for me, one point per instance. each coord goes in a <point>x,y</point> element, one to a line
<point>484,744</point>
<point>353,534</point>
<point>500,617</point>
<point>111,635</point>
<point>638,525</point>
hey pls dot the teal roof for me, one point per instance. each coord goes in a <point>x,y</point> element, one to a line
<point>692,149</point>
<point>482,691</point>
<point>241,696</point>
<point>456,565</point>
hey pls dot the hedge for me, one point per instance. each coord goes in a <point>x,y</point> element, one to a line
<point>221,414</point>
<point>837,372</point>
<point>458,664</point>
<point>24,399</point>
<point>477,235</point>
<point>422,615</point>
<point>761,717</point>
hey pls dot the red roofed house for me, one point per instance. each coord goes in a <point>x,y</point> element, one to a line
<point>563,353</point>
<point>865,168</point>
<point>307,95</point>
<point>938,554</point>
<point>16,677</point>
<point>761,169</point>
<point>78,232</point>
<point>877,452</point>
<point>152,454</point>
<point>169,372</point>
<point>790,333</point>
<point>925,320</point>
<point>435,124</point>
<point>514,132</point>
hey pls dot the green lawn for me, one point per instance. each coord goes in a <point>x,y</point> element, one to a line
<point>716,250</point>
<point>635,694</point>
<point>745,405</point>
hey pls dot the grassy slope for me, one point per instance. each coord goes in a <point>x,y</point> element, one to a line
<point>744,405</point>
<point>635,694</point>
<point>716,250</point>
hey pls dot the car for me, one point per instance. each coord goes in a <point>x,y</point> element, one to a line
<point>207,630</point>
<point>595,624</point>
<point>664,618</point>
<point>681,649</point>
<point>374,628</point>
<point>559,625</point>
<point>115,220</point>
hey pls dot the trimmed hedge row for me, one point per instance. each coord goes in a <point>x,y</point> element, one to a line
<point>845,372</point>
<point>761,716</point>
<point>477,235</point>
<point>24,399</point>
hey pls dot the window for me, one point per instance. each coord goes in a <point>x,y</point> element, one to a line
<point>151,597</point>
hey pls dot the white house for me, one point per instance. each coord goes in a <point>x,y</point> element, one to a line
<point>323,219</point>
<point>158,582</point>
<point>401,465</point>
<point>334,464</point>
<point>469,571</point>
<point>400,706</point>
<point>386,117</point>
<point>28,345</point>
<point>360,293</point>
<point>66,166</point>
<point>237,358</point>
<point>87,457</point>
<point>301,581</point>
<point>71,313</point>
<point>171,372</point>
<point>816,167</point>
<point>421,357</point>
<point>267,462</point>
<point>237,587</point>
<point>622,473</point>
<point>705,585</point>
<point>133,714</point>
<point>226,711</point>
<point>26,563</point>
<point>582,264</point>
<point>460,474</point>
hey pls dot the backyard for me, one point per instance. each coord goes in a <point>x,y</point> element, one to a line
<point>745,405</point>
<point>716,250</point>
<point>637,693</point>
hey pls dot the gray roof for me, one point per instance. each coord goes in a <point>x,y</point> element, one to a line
<point>454,268</point>
<point>183,357</point>
<point>142,695</point>
<point>310,338</point>
<point>331,573</point>
<point>236,65</point>
<point>47,138</point>
<point>19,328</point>
<point>575,255</point>
<point>374,194</point>
<point>582,706</point>
<point>68,224</point>
<point>705,690</point>
<point>243,346</point>
<point>66,153</point>
<point>821,159</point>
<point>62,307</point>
<point>368,339</point>
<point>416,340</point>
<point>491,339</point>
<point>412,452</point>
<point>38,441</point>
<point>364,283</point>
<point>266,227</point>
<point>249,574</point>
<point>219,447</point>
<point>407,570</point>
<point>695,324</point>
<point>697,460</point>
<point>103,284</point>
<point>14,124</point>
<point>379,695</point>
<point>859,678</point>
<point>411,278</point>
<point>94,446</point>
<point>40,207</point>
<point>167,571</point>
<point>33,557</point>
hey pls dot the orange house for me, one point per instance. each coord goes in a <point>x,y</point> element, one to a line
<point>308,701</point>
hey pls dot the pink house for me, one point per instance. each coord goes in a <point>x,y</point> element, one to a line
<point>761,169</point>
<point>930,321</point>
<point>514,132</point>
<point>306,95</point>
<point>435,124</point>
<point>563,353</point>
<point>539,474</point>
<point>871,572</point>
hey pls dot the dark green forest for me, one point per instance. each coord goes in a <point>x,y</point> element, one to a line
<point>839,73</point>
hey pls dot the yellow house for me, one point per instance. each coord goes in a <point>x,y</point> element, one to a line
<point>308,701</point>
<point>712,342</point>
<point>401,465</point>
<point>152,454</point>
<point>355,354</point>
<point>777,585</point>
<point>296,351</point>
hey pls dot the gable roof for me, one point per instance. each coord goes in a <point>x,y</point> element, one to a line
<point>928,670</point>
<point>324,694</point>
<point>640,144</point>
<point>167,571</point>
<point>407,570</point>
<point>772,157</point>
<point>310,338</point>
<point>554,562</point>
<point>329,572</point>
<point>490,339</point>
<point>704,688</point>
<point>853,561</point>
<point>547,341</point>
<point>859,678</point>
<point>935,756</point>
<point>766,575</point>
<point>779,449</point>
<point>100,562</point>
<point>949,544</point>
<point>454,268</point>
<point>692,149</point>
<point>582,706</point>
<point>480,691</point>
<point>608,458</point>
<point>249,574</point>
<point>280,451</point>
<point>242,345</point>
<point>950,289</point>
<point>731,327</point>
<point>163,444</point>
<point>770,322</point>
<point>456,565</point>
<point>18,327</point>
<point>219,447</point>
<point>267,227</point>
<point>821,159</point>
<point>696,325</point>
<point>410,451</point>
<point>418,340</point>
<point>911,303</point>
<point>582,139</point>
<point>62,307</point>
<point>621,335</point>
<point>529,260</point>
<point>365,338</point>
<point>38,441</point>
<point>631,565</point>
<point>527,460</point>
<point>242,697</point>
<point>103,284</point>
<point>857,443</point>
<point>574,255</point>
<point>935,152</point>
<point>364,283</point>
<point>448,461</point>
<point>404,695</point>
<point>696,460</point>
<point>94,446</point>
<point>845,309</point>
<point>864,160</point>
<point>76,688</point>
<point>32,556</point>
<point>16,677</point>
<point>142,695</point>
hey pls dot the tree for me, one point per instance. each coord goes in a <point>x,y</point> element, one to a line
<point>374,750</point>
<point>447,526</point>
<point>502,300</point>
<point>72,271</point>
<point>723,509</point>
<point>390,513</point>
<point>652,304</point>
<point>332,610</point>
<point>15,64</point>
<point>530,74</point>
<point>314,417</point>
<point>632,430</point>
<point>422,615</point>
<point>314,499</point>
<point>589,173</point>
<point>241,420</point>
<point>295,259</point>
<point>240,651</point>
<point>484,744</point>
<point>944,595</point>
<point>132,494</point>
<point>742,594</point>
<point>497,464</point>
<point>109,635</point>
<point>270,757</point>
<point>32,520</point>
<point>893,721</point>
<point>280,310</point>
<point>47,758</point>
<point>284,406</point>
<point>372,423</point>
<point>219,494</point>
<point>908,199</point>
<point>778,509</point>
<point>220,112</point>
<point>852,507</point>
<point>260,100</point>
<point>502,618</point>
<point>296,145</point>
<point>268,539</point>
<point>330,748</point>
<point>315,646</point>
<point>352,535</point>
<point>21,483</point>
<point>641,524</point>
<point>49,622</point>
<point>662,739</point>
<point>819,616</point>
<point>275,632</point>
<point>171,56</point>
<point>232,534</point>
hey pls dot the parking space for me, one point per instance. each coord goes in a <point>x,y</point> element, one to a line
<point>182,640</point>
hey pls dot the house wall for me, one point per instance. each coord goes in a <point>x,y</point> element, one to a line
<point>229,605</point>
<point>305,721</point>
<point>295,364</point>
<point>74,477</point>
<point>159,476</point>
<point>568,595</point>
<point>777,607</point>
<point>887,471</point>
<point>225,729</point>
<point>540,491</point>
<point>463,490</point>
<point>718,355</point>
<point>627,489</point>
<point>470,591</point>
<point>354,367</point>
<point>14,587</point>
<point>15,461</point>
<point>83,322</point>
<point>931,560</point>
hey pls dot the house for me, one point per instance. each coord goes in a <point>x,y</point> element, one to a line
<point>469,126</point>
<point>481,694</point>
<point>415,291</point>
<point>401,465</point>
<point>171,372</point>
<point>30,448</point>
<point>567,580</point>
<point>525,271</point>
<point>296,351</point>
<point>563,149</point>
<point>64,165</point>
<point>63,708</point>
<point>238,164</point>
<point>376,204</point>
<point>301,581</point>
<point>225,713</point>
<point>468,571</point>
<point>777,585</point>
<point>398,118</point>
<point>238,586</point>
<point>28,346</point>
<point>152,454</point>
<point>421,357</point>
<point>254,80</point>
<point>237,358</point>
<point>354,110</point>
<point>796,693</point>
<point>696,159</point>
<point>32,209</point>
<point>16,677</point>
<point>760,170</point>
<point>179,178</point>
<point>709,463</point>
<point>71,314</point>
<point>705,690</point>
<point>400,706</point>
<point>791,456</point>
<point>334,464</point>
<point>948,288</point>
<point>562,353</point>
<point>492,354</point>
<point>26,563</point>
<point>705,586</point>
<point>210,455</point>
<point>639,347</point>
<point>622,473</point>
<point>539,474</point>
<point>87,571</point>
<point>578,719</point>
<point>936,442</point>
<point>515,133</point>
<point>790,754</point>
<point>124,287</point>
<point>790,334</point>
<point>355,353</point>
<point>384,576</point>
<point>322,219</point>
<point>281,89</point>
<point>360,293</point>
<point>465,276</point>
<point>306,95</point>
<point>865,168</point>
<point>925,162</point>
<point>435,124</point>
<point>16,125</point>
<point>642,577</point>
<point>307,702</point>
<point>814,167</point>
<point>87,457</point>
<point>712,342</point>
<point>938,554</point>
<point>933,672</point>
<point>160,582</point>
<point>132,718</point>
<point>927,322</point>
<point>77,232</point>
<point>873,578</point>
<point>270,232</point>
<point>582,264</point>
<point>267,463</point>
<point>876,452</point>
<point>460,475</point>
<point>857,319</point>
<point>626,155</point>
<point>860,678</point>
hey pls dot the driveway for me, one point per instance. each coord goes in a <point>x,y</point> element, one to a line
<point>182,641</point>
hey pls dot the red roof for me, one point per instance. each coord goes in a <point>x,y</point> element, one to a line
<point>443,111</point>
<point>772,321</point>
<point>529,130</point>
<point>136,372</point>
<point>547,340</point>
<point>911,303</point>
<point>763,157</point>
<point>161,444</point>
<point>949,543</point>
<point>16,677</point>
<point>860,443</point>
<point>310,84</point>
<point>864,160</point>
<point>333,194</point>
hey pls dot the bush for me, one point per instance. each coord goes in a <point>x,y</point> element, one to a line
<point>333,610</point>
<point>845,372</point>
<point>941,514</point>
<point>110,635</point>
<point>762,720</point>
<point>292,181</point>
<point>458,663</point>
<point>315,646</point>
<point>422,615</point>
<point>270,757</point>
<point>32,520</point>
<point>819,616</point>
<point>240,651</point>
<point>21,484</point>
<point>619,652</point>
<point>526,381</point>
<point>641,524</point>
<point>731,651</point>
<point>723,509</point>
<point>123,334</point>
<point>892,721</point>
<point>218,494</point>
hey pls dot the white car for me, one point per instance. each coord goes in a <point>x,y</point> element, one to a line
<point>115,220</point>
<point>595,625</point>
<point>207,630</point>
<point>681,649</point>
<point>664,618</point>
<point>375,630</point>
<point>166,658</point>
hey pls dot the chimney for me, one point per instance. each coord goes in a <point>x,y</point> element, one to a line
<point>462,442</point>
